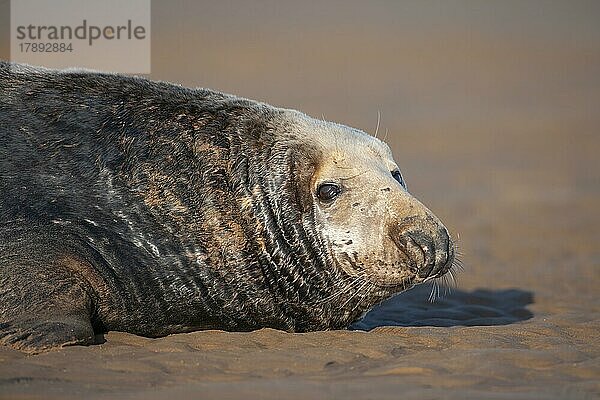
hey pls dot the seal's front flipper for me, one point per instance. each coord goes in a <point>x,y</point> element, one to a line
<point>36,336</point>
<point>46,301</point>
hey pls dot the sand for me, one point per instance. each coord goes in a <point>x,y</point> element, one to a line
<point>492,113</point>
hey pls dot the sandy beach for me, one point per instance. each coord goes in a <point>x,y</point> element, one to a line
<point>492,112</point>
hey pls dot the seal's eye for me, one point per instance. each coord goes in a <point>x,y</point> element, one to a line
<point>398,176</point>
<point>328,191</point>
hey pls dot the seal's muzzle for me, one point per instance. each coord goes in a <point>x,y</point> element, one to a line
<point>427,246</point>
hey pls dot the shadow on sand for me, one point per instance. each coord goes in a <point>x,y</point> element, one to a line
<point>480,307</point>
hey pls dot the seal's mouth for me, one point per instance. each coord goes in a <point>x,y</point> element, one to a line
<point>443,277</point>
<point>397,276</point>
<point>416,271</point>
<point>390,289</point>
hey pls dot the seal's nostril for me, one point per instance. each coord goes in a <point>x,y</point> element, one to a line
<point>417,251</point>
<point>427,246</point>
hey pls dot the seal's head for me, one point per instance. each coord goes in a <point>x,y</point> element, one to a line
<point>367,223</point>
<point>371,223</point>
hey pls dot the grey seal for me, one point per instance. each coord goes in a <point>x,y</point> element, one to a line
<point>150,208</point>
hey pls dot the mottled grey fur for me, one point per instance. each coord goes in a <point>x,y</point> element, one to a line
<point>145,207</point>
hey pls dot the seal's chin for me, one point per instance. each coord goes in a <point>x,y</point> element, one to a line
<point>389,286</point>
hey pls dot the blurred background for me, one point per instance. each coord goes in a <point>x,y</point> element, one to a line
<point>491,108</point>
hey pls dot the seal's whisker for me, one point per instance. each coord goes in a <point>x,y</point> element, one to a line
<point>455,237</point>
<point>458,263</point>
<point>343,289</point>
<point>431,292</point>
<point>458,249</point>
<point>445,286</point>
<point>449,283</point>
<point>434,291</point>
<point>366,292</point>
<point>337,293</point>
<point>355,293</point>
<point>453,278</point>
<point>377,127</point>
